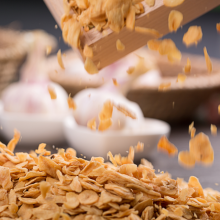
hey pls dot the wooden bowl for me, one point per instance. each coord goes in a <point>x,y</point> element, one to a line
<point>181,100</point>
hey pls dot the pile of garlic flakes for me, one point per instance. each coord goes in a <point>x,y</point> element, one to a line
<point>42,186</point>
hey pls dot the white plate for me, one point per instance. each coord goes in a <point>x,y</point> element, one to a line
<point>94,143</point>
<point>34,128</point>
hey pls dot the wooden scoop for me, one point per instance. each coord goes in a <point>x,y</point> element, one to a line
<point>156,17</point>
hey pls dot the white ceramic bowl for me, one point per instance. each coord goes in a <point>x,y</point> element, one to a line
<point>94,143</point>
<point>34,128</point>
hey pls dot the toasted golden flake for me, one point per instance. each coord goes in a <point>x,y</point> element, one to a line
<point>148,213</point>
<point>154,44</point>
<point>72,200</point>
<point>13,208</point>
<point>192,36</point>
<point>87,51</point>
<point>172,3</point>
<point>88,197</point>
<point>150,31</point>
<point>41,148</point>
<point>207,60</point>
<point>12,144</point>
<point>44,188</point>
<point>125,111</point>
<point>92,124</point>
<point>187,68</point>
<point>201,149</point>
<point>5,178</point>
<point>186,159</point>
<point>105,116</point>
<point>22,157</point>
<point>150,3</point>
<point>130,20</point>
<point>119,45</point>
<point>218,27</point>
<point>111,158</point>
<point>194,182</point>
<point>168,47</point>
<point>139,147</point>
<point>46,210</point>
<point>164,86</point>
<point>130,70</point>
<point>193,132</point>
<point>59,59</point>
<point>71,103</point>
<point>128,169</point>
<point>115,81</point>
<point>174,20</point>
<point>90,67</point>
<point>105,124</point>
<point>48,166</point>
<point>166,146</point>
<point>213,129</point>
<point>48,50</point>
<point>107,197</point>
<point>181,78</point>
<point>76,185</point>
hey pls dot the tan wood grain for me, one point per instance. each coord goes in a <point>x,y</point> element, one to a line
<point>156,17</point>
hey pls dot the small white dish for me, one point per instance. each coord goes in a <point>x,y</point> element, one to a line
<point>34,128</point>
<point>94,143</point>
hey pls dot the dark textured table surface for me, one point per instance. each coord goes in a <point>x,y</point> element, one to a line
<point>34,15</point>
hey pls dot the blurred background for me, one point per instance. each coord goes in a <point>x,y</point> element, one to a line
<point>179,106</point>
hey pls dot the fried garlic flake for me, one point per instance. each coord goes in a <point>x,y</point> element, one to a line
<point>194,182</point>
<point>59,59</point>
<point>90,67</point>
<point>115,82</point>
<point>52,92</point>
<point>92,124</point>
<point>218,27</point>
<point>193,132</point>
<point>44,188</point>
<point>164,86</point>
<point>150,3</point>
<point>166,146</point>
<point>105,116</point>
<point>48,50</point>
<point>207,60</point>
<point>119,45</point>
<point>201,149</point>
<point>172,3</point>
<point>139,147</point>
<point>12,143</point>
<point>191,126</point>
<point>186,159</point>
<point>87,51</point>
<point>143,30</point>
<point>130,20</point>
<point>154,44</point>
<point>187,68</point>
<point>168,47</point>
<point>213,129</point>
<point>71,103</point>
<point>174,20</point>
<point>192,36</point>
<point>130,70</point>
<point>181,78</point>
